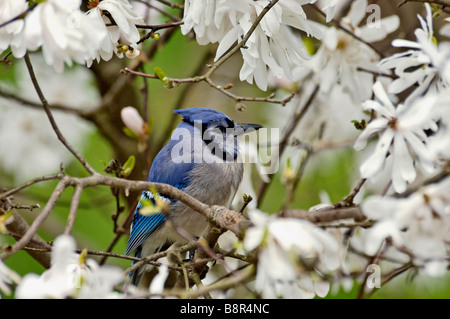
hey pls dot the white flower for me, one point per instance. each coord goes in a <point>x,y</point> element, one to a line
<point>329,8</point>
<point>28,145</point>
<point>10,9</point>
<point>63,32</point>
<point>423,65</point>
<point>132,52</point>
<point>124,18</point>
<point>58,281</point>
<point>70,276</point>
<point>272,46</point>
<point>341,57</point>
<point>133,120</point>
<point>7,278</point>
<point>249,153</point>
<point>420,223</point>
<point>439,143</point>
<point>66,34</point>
<point>99,282</point>
<point>157,284</point>
<point>206,19</point>
<point>401,135</point>
<point>119,21</point>
<point>289,250</point>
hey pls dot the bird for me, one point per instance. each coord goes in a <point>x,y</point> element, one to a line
<point>202,158</point>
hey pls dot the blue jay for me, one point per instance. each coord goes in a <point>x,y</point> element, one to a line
<point>202,159</point>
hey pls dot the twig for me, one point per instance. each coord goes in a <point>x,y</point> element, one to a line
<point>172,122</point>
<point>31,232</point>
<point>121,230</point>
<point>243,275</point>
<point>155,28</point>
<point>73,209</point>
<point>348,201</point>
<point>341,27</point>
<point>238,98</point>
<point>445,3</point>
<point>55,127</point>
<point>327,216</point>
<point>17,228</point>
<point>168,3</point>
<point>171,4</point>
<point>156,256</point>
<point>373,260</point>
<point>212,68</point>
<point>434,179</point>
<point>298,116</point>
<point>4,59</point>
<point>207,79</point>
<point>293,184</point>
<point>27,207</point>
<point>19,16</point>
<point>239,278</point>
<point>10,192</point>
<point>247,201</point>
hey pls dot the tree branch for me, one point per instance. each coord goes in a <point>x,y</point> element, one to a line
<point>332,215</point>
<point>51,118</point>
<point>20,226</point>
<point>212,68</point>
<point>445,3</point>
<point>31,232</point>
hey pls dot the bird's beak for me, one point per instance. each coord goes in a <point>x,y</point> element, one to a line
<point>244,128</point>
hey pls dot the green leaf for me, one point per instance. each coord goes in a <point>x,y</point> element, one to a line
<point>162,76</point>
<point>360,125</point>
<point>128,166</point>
<point>129,133</point>
<point>309,45</point>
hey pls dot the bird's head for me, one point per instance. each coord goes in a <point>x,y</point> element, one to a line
<point>218,130</point>
<point>212,120</point>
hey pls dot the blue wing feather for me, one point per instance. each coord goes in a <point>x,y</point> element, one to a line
<point>163,170</point>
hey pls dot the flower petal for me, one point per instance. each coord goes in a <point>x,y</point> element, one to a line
<point>374,163</point>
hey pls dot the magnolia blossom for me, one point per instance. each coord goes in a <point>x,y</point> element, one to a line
<point>330,8</point>
<point>67,34</point>
<point>420,222</point>
<point>63,32</point>
<point>7,278</point>
<point>424,64</point>
<point>157,284</point>
<point>124,27</point>
<point>289,251</point>
<point>70,276</point>
<point>272,45</point>
<point>439,143</point>
<point>401,136</point>
<point>249,153</point>
<point>341,57</point>
<point>206,19</point>
<point>123,16</point>
<point>8,10</point>
<point>133,120</point>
